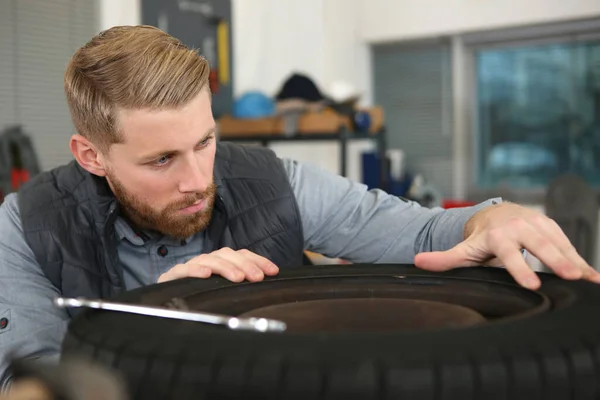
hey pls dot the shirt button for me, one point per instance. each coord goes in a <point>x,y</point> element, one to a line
<point>163,251</point>
<point>3,323</point>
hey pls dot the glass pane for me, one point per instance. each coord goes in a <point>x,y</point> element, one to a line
<point>538,114</point>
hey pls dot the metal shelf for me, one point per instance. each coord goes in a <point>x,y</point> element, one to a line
<point>343,136</point>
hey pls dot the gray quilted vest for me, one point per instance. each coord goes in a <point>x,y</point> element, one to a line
<point>68,219</point>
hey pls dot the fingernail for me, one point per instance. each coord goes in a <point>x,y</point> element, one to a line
<point>532,283</point>
<point>237,277</point>
<point>257,275</point>
<point>574,273</point>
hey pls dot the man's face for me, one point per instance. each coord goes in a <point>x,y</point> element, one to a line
<point>162,174</point>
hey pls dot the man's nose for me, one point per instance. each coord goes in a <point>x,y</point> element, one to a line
<point>192,179</point>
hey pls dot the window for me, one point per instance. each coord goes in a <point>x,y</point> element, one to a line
<point>538,114</point>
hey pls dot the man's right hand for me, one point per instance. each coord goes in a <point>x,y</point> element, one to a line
<point>235,265</point>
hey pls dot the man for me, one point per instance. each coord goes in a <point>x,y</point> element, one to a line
<point>152,197</point>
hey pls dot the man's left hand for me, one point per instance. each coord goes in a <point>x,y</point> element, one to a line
<point>496,235</point>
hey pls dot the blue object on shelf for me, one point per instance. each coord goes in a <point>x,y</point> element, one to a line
<point>371,170</point>
<point>371,176</point>
<point>253,105</point>
<point>362,121</point>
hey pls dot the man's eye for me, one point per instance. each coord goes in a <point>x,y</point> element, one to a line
<point>163,160</point>
<point>206,141</point>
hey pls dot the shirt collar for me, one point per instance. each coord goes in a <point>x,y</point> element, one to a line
<point>125,231</point>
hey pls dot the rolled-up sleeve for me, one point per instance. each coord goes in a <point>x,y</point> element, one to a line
<point>344,219</point>
<point>30,325</point>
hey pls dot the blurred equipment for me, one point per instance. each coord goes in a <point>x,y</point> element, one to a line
<point>343,98</point>
<point>205,26</point>
<point>343,92</point>
<point>18,159</point>
<point>424,193</point>
<point>223,51</point>
<point>573,204</point>
<point>389,173</point>
<point>454,203</point>
<point>301,87</point>
<point>299,93</point>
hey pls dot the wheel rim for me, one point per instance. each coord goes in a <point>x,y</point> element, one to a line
<point>384,315</point>
<point>373,303</point>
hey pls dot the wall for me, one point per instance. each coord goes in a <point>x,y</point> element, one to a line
<point>347,56</point>
<point>119,12</point>
<point>273,38</point>
<point>385,20</point>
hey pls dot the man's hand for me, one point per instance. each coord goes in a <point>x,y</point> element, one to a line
<point>496,235</point>
<point>230,264</point>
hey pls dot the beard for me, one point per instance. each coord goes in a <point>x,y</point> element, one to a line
<point>168,221</point>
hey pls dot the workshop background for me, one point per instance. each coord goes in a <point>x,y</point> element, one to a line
<point>446,102</point>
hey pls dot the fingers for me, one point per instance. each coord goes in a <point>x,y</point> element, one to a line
<point>477,251</point>
<point>263,263</point>
<point>550,246</point>
<point>507,242</point>
<point>560,240</point>
<point>438,261</point>
<point>253,265</point>
<point>543,247</point>
<point>507,245</point>
<point>221,266</point>
<point>204,266</point>
<point>230,264</point>
<point>499,241</point>
<point>185,270</point>
<point>509,253</point>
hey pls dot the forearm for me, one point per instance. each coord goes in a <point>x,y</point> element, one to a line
<point>452,226</point>
<point>343,219</point>
<point>432,230</point>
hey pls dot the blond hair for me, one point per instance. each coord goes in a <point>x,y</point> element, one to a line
<point>129,67</point>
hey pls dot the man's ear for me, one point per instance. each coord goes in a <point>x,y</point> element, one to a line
<point>87,155</point>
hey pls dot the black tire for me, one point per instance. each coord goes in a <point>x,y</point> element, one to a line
<point>551,353</point>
